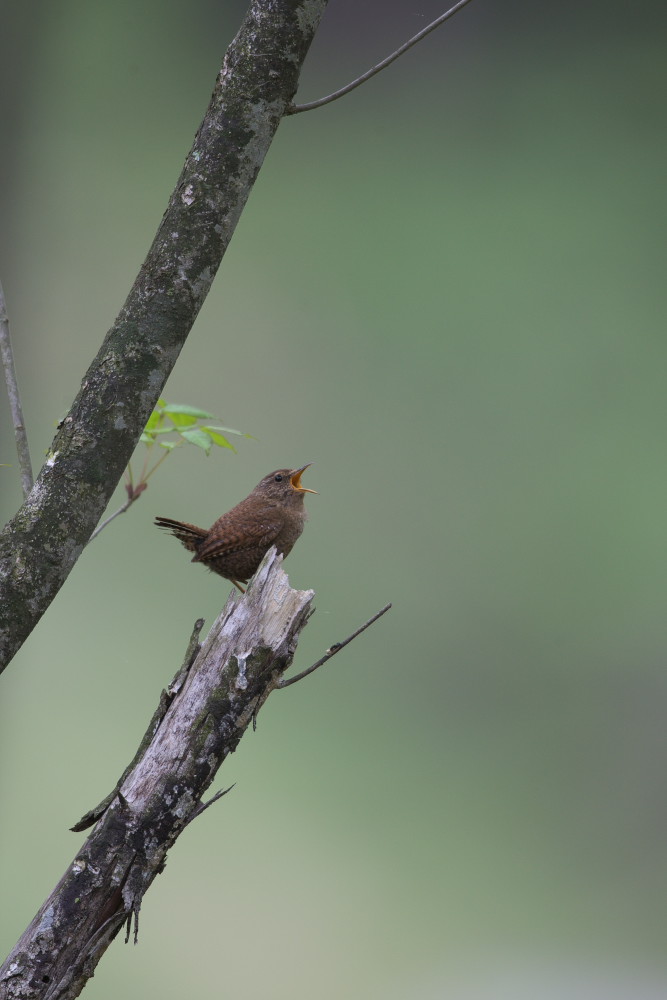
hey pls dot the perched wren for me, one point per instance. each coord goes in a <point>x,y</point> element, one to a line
<point>233,547</point>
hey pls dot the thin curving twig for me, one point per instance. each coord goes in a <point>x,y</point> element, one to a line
<point>25,465</point>
<point>102,525</point>
<point>133,493</point>
<point>295,109</point>
<point>336,648</point>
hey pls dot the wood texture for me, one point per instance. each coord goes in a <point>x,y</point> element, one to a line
<point>201,719</point>
<point>95,441</point>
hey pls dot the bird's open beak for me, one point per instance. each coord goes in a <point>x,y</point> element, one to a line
<point>295,479</point>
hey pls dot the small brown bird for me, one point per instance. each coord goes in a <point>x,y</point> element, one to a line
<point>233,547</point>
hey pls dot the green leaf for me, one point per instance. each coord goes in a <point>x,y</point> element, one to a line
<point>182,420</point>
<point>227,430</point>
<point>191,411</point>
<point>218,439</point>
<point>161,403</point>
<point>153,421</point>
<point>147,438</point>
<point>169,445</point>
<point>198,437</point>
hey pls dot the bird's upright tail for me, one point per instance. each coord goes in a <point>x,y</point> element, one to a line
<point>188,534</point>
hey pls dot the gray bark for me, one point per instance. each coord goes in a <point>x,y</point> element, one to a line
<point>16,410</point>
<point>256,84</point>
<point>201,719</point>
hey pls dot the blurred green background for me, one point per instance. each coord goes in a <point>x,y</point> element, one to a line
<point>447,291</point>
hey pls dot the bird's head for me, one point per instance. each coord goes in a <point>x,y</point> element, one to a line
<point>284,485</point>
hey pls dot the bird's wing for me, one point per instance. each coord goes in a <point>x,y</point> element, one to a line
<point>225,541</point>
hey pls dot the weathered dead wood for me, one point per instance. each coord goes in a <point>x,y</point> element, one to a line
<point>201,719</point>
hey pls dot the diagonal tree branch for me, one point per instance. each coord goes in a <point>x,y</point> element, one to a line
<point>257,81</point>
<point>25,466</point>
<point>211,703</point>
<point>201,718</point>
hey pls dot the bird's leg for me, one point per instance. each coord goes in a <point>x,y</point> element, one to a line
<point>237,584</point>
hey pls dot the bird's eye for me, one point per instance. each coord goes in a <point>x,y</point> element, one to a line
<point>278,479</point>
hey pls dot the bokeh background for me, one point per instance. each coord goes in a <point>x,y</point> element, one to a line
<point>447,291</point>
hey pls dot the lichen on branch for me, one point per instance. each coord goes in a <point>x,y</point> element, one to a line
<point>41,543</point>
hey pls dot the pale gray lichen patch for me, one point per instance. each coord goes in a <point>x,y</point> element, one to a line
<point>241,682</point>
<point>46,923</point>
<point>154,382</point>
<point>184,805</point>
<point>201,285</point>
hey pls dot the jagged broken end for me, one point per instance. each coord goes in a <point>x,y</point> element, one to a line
<point>270,610</point>
<point>271,574</point>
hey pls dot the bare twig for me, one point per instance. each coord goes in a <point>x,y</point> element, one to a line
<point>133,493</point>
<point>332,650</point>
<point>295,109</point>
<point>203,806</point>
<point>23,452</point>
<point>102,525</point>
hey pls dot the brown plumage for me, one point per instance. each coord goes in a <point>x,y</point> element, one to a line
<point>233,547</point>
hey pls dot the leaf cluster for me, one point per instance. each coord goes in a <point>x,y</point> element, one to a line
<point>185,424</point>
<point>170,425</point>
